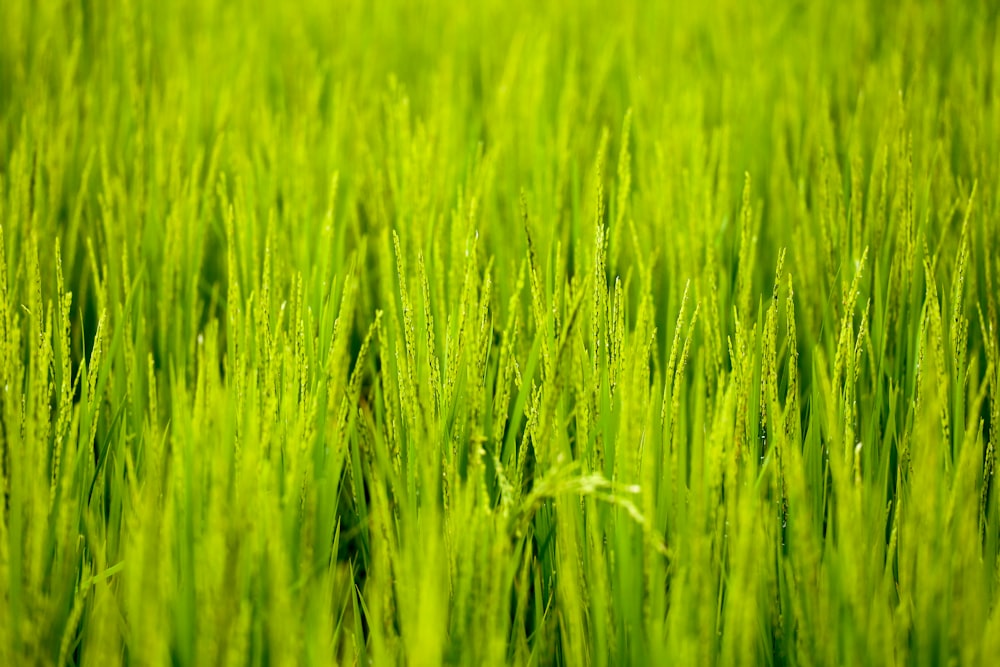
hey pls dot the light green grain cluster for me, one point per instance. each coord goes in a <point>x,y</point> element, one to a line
<point>499,332</point>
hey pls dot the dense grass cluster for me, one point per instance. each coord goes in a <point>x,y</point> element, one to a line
<point>499,332</point>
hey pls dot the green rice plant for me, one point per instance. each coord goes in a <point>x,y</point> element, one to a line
<point>499,333</point>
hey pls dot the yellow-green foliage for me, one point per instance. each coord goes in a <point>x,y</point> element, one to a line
<point>495,332</point>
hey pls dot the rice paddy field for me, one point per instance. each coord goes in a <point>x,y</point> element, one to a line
<point>501,332</point>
